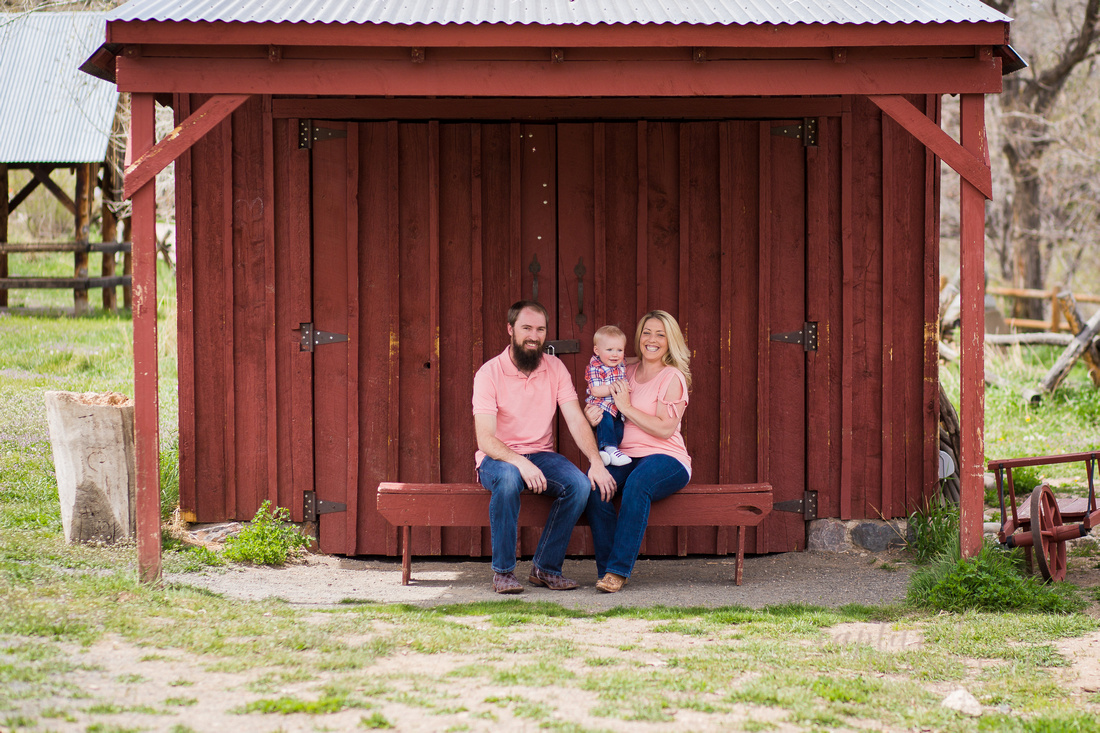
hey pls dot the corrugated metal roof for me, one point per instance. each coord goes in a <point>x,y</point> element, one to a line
<point>49,111</point>
<point>563,12</point>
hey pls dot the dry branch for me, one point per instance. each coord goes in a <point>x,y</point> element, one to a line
<point>1073,352</point>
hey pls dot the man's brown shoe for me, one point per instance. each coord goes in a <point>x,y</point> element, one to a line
<point>506,583</point>
<point>611,583</point>
<point>551,581</point>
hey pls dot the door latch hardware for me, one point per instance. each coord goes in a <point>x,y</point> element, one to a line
<point>308,133</point>
<point>565,346</point>
<point>806,131</point>
<point>806,506</point>
<point>312,507</point>
<point>311,338</point>
<point>807,336</point>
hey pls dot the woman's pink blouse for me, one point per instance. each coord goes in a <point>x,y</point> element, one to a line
<point>649,397</point>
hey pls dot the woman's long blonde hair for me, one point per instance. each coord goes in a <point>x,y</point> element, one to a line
<point>678,355</point>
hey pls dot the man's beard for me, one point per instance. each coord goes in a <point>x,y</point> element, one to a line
<point>527,360</point>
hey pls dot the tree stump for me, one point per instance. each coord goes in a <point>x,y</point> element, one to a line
<point>92,436</point>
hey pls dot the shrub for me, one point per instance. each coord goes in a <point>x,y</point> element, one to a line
<point>990,581</point>
<point>268,539</point>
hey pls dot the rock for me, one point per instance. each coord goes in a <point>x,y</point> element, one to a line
<point>828,535</point>
<point>964,702</point>
<point>92,436</point>
<point>877,535</point>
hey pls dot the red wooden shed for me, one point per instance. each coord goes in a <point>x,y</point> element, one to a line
<point>397,174</point>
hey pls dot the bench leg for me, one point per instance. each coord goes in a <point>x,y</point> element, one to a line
<point>740,555</point>
<point>406,555</point>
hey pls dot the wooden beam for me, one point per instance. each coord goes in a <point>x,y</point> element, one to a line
<point>146,401</point>
<point>543,108</point>
<point>504,35</point>
<point>501,78</point>
<point>21,196</point>
<point>179,140</point>
<point>85,192</point>
<point>939,142</point>
<point>972,378</point>
<point>42,175</point>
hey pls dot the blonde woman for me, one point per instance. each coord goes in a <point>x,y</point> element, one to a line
<point>652,401</point>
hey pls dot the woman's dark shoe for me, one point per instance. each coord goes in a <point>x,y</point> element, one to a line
<point>611,583</point>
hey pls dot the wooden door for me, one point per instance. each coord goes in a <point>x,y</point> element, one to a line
<point>335,310</point>
<point>424,234</point>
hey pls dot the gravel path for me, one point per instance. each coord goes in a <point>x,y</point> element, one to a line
<point>817,578</point>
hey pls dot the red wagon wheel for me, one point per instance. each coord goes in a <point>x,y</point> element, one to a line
<point>1045,518</point>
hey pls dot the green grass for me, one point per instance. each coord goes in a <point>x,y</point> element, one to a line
<point>528,661</point>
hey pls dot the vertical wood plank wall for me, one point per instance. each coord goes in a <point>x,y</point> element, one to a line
<point>737,232</point>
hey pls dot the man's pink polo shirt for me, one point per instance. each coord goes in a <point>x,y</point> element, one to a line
<point>524,405</point>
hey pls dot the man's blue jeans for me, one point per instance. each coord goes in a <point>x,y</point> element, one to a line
<point>564,482</point>
<point>610,430</point>
<point>618,537</point>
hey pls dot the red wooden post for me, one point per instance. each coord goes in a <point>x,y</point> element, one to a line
<point>146,405</point>
<point>972,256</point>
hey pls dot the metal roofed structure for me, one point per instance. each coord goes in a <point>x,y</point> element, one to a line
<point>49,111</point>
<point>399,173</point>
<point>563,12</point>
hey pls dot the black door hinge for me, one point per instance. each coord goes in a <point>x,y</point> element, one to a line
<point>806,506</point>
<point>312,507</point>
<point>309,133</point>
<point>807,336</point>
<point>806,131</point>
<point>312,338</point>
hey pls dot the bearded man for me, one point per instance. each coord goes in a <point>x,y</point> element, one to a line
<point>516,395</point>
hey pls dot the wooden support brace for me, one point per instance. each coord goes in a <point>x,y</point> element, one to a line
<point>179,140</point>
<point>965,163</point>
<point>42,175</point>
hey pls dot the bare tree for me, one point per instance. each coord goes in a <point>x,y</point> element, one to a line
<point>1046,206</point>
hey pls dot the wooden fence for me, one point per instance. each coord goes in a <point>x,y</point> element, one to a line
<point>107,280</point>
<point>1058,317</point>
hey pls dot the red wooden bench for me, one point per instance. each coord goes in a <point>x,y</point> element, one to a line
<point>467,505</point>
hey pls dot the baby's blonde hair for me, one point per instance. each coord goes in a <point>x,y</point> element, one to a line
<point>605,332</point>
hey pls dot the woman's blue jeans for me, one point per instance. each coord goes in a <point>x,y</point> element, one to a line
<point>564,482</point>
<point>618,537</point>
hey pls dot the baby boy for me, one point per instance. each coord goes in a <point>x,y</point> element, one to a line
<point>609,345</point>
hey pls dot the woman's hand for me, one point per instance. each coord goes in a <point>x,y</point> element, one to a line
<point>620,391</point>
<point>594,413</point>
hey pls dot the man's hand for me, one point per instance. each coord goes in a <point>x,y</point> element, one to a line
<point>601,479</point>
<point>533,477</point>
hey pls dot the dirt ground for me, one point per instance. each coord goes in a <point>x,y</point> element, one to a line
<point>139,684</point>
<point>816,578</point>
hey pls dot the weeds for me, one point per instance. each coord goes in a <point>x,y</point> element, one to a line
<point>934,530</point>
<point>268,539</point>
<point>990,581</point>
